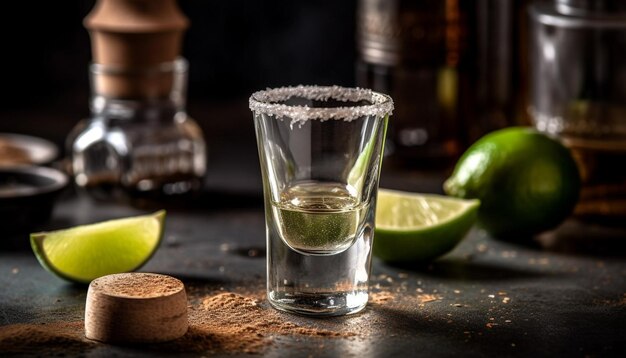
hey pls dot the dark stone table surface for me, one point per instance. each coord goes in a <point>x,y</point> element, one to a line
<point>561,294</point>
<point>554,297</point>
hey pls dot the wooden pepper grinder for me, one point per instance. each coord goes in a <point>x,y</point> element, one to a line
<point>135,36</point>
<point>139,143</point>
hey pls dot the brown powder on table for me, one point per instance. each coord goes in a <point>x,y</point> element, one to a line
<point>53,338</point>
<point>381,297</point>
<point>620,302</point>
<point>222,323</point>
<point>424,298</point>
<point>229,322</point>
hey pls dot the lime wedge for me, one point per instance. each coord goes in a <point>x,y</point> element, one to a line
<point>83,253</point>
<point>420,227</point>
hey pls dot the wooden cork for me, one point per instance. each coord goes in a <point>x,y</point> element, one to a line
<point>135,33</point>
<point>136,308</point>
<point>131,39</point>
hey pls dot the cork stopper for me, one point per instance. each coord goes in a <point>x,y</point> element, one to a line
<point>136,308</point>
<point>132,40</point>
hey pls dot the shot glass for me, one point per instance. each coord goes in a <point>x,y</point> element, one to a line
<point>320,150</point>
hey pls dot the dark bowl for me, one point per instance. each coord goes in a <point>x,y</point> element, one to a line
<point>27,196</point>
<point>19,149</point>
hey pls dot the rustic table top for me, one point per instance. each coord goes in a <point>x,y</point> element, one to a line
<point>561,295</point>
<point>487,297</point>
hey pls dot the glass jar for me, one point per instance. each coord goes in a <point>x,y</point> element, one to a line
<point>138,142</point>
<point>578,93</point>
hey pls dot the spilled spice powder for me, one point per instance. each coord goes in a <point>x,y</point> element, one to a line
<point>380,297</point>
<point>221,323</point>
<point>620,302</point>
<point>424,298</point>
<point>53,338</point>
<point>229,322</point>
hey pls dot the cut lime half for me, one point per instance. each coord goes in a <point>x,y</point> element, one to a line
<point>83,253</point>
<point>412,227</point>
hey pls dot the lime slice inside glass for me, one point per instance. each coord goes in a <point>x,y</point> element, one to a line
<point>83,253</point>
<point>412,227</point>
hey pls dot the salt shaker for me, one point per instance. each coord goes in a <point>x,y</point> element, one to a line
<point>138,141</point>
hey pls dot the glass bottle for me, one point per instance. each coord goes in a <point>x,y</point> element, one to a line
<point>139,141</point>
<point>451,67</point>
<point>415,51</point>
<point>578,93</point>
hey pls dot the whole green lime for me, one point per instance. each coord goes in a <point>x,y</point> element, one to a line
<point>526,181</point>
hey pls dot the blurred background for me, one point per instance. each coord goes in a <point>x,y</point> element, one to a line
<point>234,48</point>
<point>454,69</point>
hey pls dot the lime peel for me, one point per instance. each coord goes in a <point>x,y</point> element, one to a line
<point>420,227</point>
<point>83,253</point>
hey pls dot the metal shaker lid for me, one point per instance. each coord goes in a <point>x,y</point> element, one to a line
<point>583,14</point>
<point>590,6</point>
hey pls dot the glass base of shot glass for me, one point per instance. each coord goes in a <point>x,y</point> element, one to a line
<point>319,285</point>
<point>320,304</point>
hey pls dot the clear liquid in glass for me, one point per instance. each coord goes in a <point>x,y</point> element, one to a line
<point>320,237</point>
<point>318,218</point>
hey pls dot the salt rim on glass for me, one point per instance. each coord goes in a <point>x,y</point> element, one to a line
<point>266,102</point>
